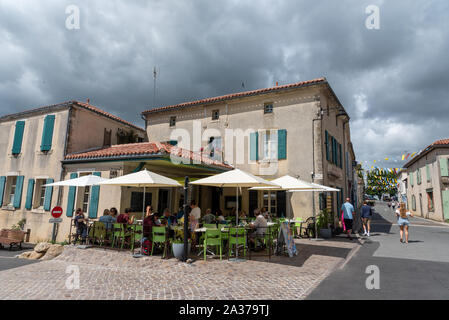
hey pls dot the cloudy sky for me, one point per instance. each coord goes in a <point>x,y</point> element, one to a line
<point>394,82</point>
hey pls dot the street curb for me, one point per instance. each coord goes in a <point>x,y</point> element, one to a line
<point>351,254</point>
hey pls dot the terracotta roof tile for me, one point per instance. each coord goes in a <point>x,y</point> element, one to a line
<point>237,95</point>
<point>143,149</point>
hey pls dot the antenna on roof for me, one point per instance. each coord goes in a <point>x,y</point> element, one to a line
<point>154,92</point>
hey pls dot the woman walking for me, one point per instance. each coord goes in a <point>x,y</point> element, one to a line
<point>403,221</point>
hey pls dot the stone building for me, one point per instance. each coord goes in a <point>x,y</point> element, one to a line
<point>427,183</point>
<point>299,129</point>
<point>33,145</point>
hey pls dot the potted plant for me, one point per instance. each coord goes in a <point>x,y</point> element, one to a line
<point>178,244</point>
<point>323,224</point>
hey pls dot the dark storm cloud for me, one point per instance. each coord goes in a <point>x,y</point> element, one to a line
<point>392,81</point>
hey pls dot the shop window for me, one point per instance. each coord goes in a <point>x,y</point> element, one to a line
<point>270,202</point>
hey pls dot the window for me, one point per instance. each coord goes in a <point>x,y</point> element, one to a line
<point>430,207</point>
<point>214,148</point>
<point>270,202</point>
<point>113,174</point>
<point>86,194</point>
<point>418,176</point>
<point>413,203</point>
<point>173,121</point>
<point>12,190</point>
<point>269,145</point>
<point>215,114</point>
<point>39,193</point>
<point>268,108</point>
<point>107,138</point>
<point>428,175</point>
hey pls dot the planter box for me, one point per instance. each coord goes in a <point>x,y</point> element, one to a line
<point>178,250</point>
<point>326,233</point>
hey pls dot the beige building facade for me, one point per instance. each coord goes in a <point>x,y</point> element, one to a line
<point>299,129</point>
<point>427,182</point>
<point>34,143</point>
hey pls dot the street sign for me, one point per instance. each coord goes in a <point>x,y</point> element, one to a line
<point>56,212</point>
<point>55,220</point>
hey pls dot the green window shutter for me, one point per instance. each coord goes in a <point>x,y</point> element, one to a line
<point>410,175</point>
<point>413,203</point>
<point>334,149</point>
<point>48,195</point>
<point>18,194</point>
<point>254,146</point>
<point>2,189</point>
<point>30,190</point>
<point>418,180</point>
<point>445,195</point>
<point>18,137</point>
<point>444,167</point>
<point>429,178</point>
<point>94,195</point>
<point>327,145</point>
<point>47,133</point>
<point>282,144</point>
<point>71,197</point>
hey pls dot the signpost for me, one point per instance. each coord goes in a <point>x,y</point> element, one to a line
<point>56,213</point>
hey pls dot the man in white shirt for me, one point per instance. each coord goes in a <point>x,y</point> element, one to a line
<point>196,211</point>
<point>260,224</point>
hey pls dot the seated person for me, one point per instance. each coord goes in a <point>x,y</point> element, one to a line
<point>125,218</point>
<point>107,219</point>
<point>209,218</point>
<point>259,225</point>
<point>81,225</point>
<point>148,223</point>
<point>168,219</point>
<point>220,217</point>
<point>113,213</point>
<point>242,215</point>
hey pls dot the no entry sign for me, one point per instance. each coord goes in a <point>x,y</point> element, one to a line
<point>56,212</point>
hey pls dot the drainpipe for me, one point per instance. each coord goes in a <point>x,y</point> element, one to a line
<point>320,117</point>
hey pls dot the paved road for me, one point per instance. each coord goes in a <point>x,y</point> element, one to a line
<point>7,260</point>
<point>418,270</point>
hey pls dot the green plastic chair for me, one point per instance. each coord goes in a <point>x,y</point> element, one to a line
<point>237,236</point>
<point>118,234</point>
<point>210,226</point>
<point>212,238</point>
<point>159,236</point>
<point>137,235</point>
<point>298,223</point>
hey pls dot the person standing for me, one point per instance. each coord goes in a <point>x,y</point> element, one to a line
<point>81,225</point>
<point>403,221</point>
<point>347,212</point>
<point>367,215</point>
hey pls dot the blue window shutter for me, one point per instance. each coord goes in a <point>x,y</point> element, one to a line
<point>47,133</point>
<point>327,145</point>
<point>254,145</point>
<point>18,194</point>
<point>48,195</point>
<point>18,137</point>
<point>282,144</point>
<point>71,197</point>
<point>94,195</point>
<point>2,189</point>
<point>30,190</point>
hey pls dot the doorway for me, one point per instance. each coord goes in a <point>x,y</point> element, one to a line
<point>164,200</point>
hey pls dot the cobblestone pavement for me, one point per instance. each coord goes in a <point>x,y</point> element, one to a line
<point>106,275</point>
